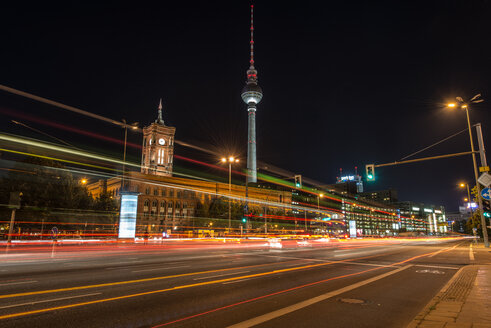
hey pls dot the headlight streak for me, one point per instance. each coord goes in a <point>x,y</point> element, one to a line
<point>262,274</point>
<point>263,177</point>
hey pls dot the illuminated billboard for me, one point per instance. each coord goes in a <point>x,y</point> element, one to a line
<point>127,216</point>
<point>352,229</point>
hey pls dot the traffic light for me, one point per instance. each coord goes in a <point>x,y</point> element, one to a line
<point>244,220</point>
<point>370,170</point>
<point>486,208</point>
<point>298,181</point>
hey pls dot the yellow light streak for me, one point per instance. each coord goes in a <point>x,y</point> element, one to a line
<point>56,159</point>
<point>63,149</point>
<point>19,314</point>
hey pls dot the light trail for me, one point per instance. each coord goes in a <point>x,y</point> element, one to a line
<point>62,307</point>
<point>291,289</point>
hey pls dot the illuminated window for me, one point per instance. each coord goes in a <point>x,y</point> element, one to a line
<point>162,208</point>
<point>154,207</point>
<point>146,206</point>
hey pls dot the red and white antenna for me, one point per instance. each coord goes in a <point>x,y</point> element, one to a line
<point>252,37</point>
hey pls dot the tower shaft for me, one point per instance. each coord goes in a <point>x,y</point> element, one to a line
<point>251,146</point>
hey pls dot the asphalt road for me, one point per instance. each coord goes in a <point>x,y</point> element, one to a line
<point>216,283</point>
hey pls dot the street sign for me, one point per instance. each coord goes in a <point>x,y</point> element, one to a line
<point>484,169</point>
<point>485,179</point>
<point>486,193</point>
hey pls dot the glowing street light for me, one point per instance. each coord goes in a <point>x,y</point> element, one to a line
<point>83,181</point>
<point>465,105</point>
<point>230,161</point>
<point>468,199</point>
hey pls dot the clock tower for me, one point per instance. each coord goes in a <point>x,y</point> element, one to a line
<point>158,147</point>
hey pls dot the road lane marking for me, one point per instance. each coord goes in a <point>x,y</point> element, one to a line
<point>471,253</point>
<point>262,274</point>
<point>51,300</point>
<point>19,282</point>
<point>168,268</point>
<point>437,266</point>
<point>221,275</point>
<point>281,312</point>
<point>328,261</point>
<point>443,249</point>
<point>234,282</point>
<point>131,281</point>
<point>142,265</point>
<point>20,314</point>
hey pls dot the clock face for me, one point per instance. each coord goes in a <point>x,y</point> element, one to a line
<point>161,141</point>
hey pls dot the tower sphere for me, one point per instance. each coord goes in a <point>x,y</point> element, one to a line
<point>252,93</point>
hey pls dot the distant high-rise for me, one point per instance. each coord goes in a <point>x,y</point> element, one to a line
<point>252,95</point>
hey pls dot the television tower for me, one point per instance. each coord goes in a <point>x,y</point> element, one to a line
<point>251,95</point>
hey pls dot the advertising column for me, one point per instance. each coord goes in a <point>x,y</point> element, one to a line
<point>127,216</point>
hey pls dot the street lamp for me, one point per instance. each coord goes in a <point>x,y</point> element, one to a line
<point>465,105</point>
<point>230,161</point>
<point>132,126</point>
<point>83,181</point>
<point>468,199</point>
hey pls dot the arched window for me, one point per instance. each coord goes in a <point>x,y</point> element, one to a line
<point>156,191</point>
<point>162,208</point>
<point>154,207</point>
<point>170,205</point>
<point>178,209</point>
<point>146,205</point>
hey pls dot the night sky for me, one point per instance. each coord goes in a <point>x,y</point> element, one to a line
<point>345,84</point>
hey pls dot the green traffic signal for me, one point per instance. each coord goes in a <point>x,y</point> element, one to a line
<point>487,214</point>
<point>244,220</point>
<point>370,171</point>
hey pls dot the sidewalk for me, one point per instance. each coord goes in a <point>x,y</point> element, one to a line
<point>464,302</point>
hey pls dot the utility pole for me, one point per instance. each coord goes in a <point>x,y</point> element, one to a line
<point>482,151</point>
<point>14,204</point>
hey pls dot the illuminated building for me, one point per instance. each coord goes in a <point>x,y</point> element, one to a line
<point>387,196</point>
<point>251,95</point>
<point>423,217</point>
<point>158,147</point>
<point>168,203</point>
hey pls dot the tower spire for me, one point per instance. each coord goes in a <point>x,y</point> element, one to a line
<point>252,38</point>
<point>252,72</point>
<point>159,117</point>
